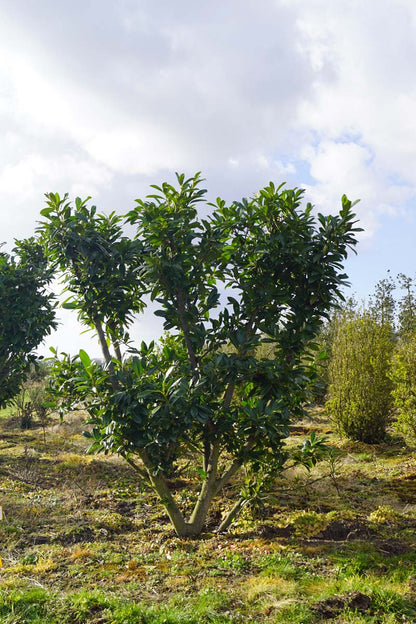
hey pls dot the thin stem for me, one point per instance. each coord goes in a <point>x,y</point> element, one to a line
<point>106,353</point>
<point>103,343</point>
<point>234,467</point>
<point>228,395</point>
<point>143,474</point>
<point>232,514</point>
<point>117,350</point>
<point>114,341</point>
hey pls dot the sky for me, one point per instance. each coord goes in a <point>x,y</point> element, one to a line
<point>102,98</point>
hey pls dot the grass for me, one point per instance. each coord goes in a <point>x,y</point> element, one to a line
<point>83,542</point>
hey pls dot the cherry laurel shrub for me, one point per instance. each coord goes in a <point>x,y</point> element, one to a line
<point>263,271</point>
<point>360,399</point>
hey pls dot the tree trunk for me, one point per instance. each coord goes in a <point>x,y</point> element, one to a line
<point>208,490</point>
<point>159,483</point>
<point>211,486</point>
<point>103,343</point>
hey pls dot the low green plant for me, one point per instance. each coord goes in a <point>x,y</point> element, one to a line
<point>27,313</point>
<point>384,514</point>
<point>308,523</point>
<point>25,607</point>
<point>280,565</point>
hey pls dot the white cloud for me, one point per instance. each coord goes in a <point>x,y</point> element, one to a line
<point>102,98</point>
<point>335,166</point>
<point>362,132</point>
<point>137,149</point>
<point>204,81</point>
<point>22,188</point>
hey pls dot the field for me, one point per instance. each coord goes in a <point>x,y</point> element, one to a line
<point>82,541</point>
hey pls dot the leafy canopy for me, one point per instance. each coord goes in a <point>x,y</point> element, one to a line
<point>210,387</point>
<point>26,313</point>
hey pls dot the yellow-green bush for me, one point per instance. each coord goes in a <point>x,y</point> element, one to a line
<point>403,375</point>
<point>360,399</point>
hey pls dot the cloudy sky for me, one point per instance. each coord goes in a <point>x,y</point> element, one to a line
<point>104,97</point>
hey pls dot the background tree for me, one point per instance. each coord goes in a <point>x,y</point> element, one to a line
<point>407,306</point>
<point>382,303</point>
<point>26,313</point>
<point>360,389</point>
<point>206,390</point>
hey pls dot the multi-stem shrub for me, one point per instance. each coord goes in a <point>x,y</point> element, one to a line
<point>209,390</point>
<point>403,376</point>
<point>360,390</point>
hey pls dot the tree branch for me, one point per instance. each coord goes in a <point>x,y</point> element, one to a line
<point>158,481</point>
<point>207,492</point>
<point>185,328</point>
<point>143,474</point>
<point>234,467</point>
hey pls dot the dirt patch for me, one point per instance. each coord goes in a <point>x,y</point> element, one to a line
<point>344,531</point>
<point>267,532</point>
<point>332,607</point>
<point>123,507</point>
<point>296,430</point>
<point>394,547</point>
<point>32,540</point>
<point>405,488</point>
<point>75,534</point>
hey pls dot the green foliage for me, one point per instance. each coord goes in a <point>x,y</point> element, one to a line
<point>101,268</point>
<point>403,376</point>
<point>320,358</point>
<point>313,450</point>
<point>26,313</point>
<point>23,408</point>
<point>360,389</point>
<point>30,606</point>
<point>308,523</point>
<point>208,386</point>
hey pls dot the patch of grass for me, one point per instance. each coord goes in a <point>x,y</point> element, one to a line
<point>281,566</point>
<point>30,606</point>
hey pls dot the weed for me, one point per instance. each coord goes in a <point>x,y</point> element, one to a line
<point>308,523</point>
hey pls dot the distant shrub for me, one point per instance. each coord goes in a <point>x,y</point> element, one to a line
<point>360,390</point>
<point>403,376</point>
<point>31,403</point>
